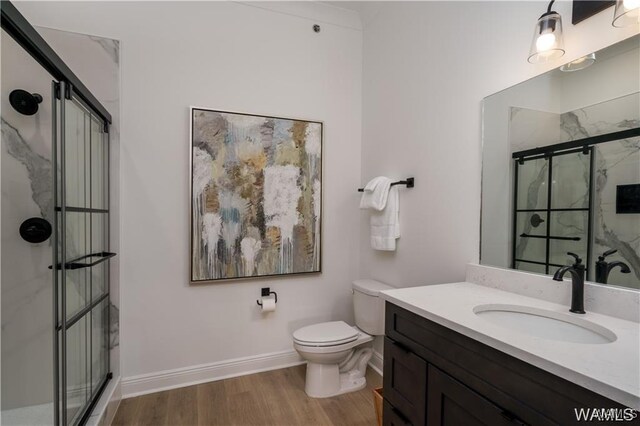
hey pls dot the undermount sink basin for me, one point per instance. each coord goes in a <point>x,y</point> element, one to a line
<point>545,324</point>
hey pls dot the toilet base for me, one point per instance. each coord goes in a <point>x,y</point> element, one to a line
<point>326,380</point>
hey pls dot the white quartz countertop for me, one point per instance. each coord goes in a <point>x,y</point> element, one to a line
<point>609,369</point>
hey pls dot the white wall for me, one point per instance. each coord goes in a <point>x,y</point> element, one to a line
<point>236,57</point>
<point>427,66</point>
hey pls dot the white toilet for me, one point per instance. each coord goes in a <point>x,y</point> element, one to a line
<point>337,354</point>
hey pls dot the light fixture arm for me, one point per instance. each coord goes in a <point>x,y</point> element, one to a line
<point>549,11</point>
<point>550,5</point>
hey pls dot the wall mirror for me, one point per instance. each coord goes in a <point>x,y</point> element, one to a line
<point>561,169</point>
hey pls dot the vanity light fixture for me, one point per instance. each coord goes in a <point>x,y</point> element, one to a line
<point>580,63</point>
<point>547,37</point>
<point>626,12</point>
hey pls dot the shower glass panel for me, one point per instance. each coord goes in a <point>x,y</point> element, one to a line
<point>532,185</point>
<point>552,219</point>
<point>82,203</point>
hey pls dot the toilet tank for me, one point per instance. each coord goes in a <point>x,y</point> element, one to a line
<point>368,307</point>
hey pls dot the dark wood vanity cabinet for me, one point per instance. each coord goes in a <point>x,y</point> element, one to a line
<point>436,376</point>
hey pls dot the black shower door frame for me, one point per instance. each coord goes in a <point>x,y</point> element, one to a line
<point>63,93</point>
<point>548,210</point>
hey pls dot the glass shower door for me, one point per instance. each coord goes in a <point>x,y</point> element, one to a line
<point>552,210</point>
<point>82,279</point>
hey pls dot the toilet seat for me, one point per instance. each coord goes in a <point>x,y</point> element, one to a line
<point>325,334</point>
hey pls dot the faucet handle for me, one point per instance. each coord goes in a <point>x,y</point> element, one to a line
<point>578,260</point>
<point>608,253</point>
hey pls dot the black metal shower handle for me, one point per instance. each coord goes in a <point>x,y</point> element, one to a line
<point>551,238</point>
<point>35,230</point>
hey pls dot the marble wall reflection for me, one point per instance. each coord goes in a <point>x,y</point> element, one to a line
<point>615,163</point>
<point>529,128</point>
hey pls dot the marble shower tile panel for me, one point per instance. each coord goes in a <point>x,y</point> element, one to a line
<point>529,128</point>
<point>605,117</point>
<point>26,184</point>
<point>533,178</point>
<point>571,177</point>
<point>569,224</point>
<point>617,163</point>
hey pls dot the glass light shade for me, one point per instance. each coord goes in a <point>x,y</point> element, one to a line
<point>580,63</point>
<point>626,13</point>
<point>547,41</point>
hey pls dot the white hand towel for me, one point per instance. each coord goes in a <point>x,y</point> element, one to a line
<point>375,193</point>
<point>385,224</point>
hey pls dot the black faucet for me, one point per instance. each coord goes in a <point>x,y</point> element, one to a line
<point>577,283</point>
<point>603,267</point>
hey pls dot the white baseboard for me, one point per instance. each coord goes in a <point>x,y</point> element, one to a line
<point>171,379</point>
<point>376,362</point>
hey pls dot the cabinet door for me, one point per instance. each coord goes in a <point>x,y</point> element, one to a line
<point>405,382</point>
<point>450,403</point>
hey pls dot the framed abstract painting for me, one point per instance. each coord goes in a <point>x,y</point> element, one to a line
<point>256,195</point>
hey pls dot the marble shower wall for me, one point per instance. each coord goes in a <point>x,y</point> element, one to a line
<point>25,154</point>
<point>529,128</point>
<point>26,182</point>
<point>616,163</point>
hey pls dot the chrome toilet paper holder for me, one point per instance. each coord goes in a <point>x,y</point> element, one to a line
<point>266,291</point>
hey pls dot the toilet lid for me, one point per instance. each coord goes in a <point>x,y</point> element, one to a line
<point>326,334</point>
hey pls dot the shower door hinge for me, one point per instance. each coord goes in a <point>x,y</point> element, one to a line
<point>106,127</point>
<point>56,89</point>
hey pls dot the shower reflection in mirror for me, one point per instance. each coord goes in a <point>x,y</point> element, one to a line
<point>561,170</point>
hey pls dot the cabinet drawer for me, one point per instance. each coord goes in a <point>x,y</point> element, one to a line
<point>391,416</point>
<point>405,382</point>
